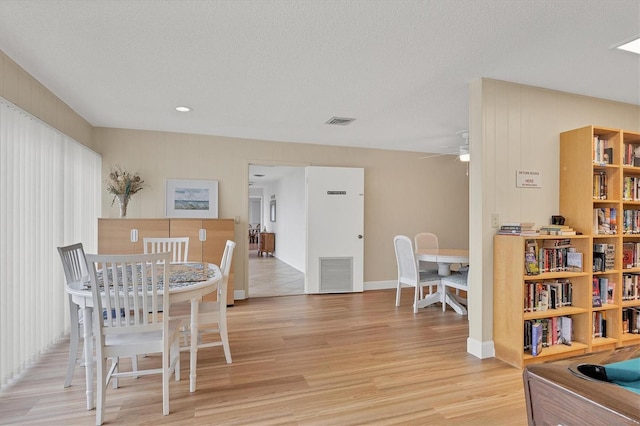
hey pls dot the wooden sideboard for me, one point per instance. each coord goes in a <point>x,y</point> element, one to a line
<point>266,243</point>
<point>207,238</point>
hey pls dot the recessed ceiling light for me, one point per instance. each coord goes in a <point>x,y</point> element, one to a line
<point>632,46</point>
<point>183,108</point>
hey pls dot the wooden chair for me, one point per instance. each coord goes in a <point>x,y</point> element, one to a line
<point>408,273</point>
<point>128,318</point>
<point>427,240</point>
<point>209,313</point>
<point>74,264</point>
<point>178,246</point>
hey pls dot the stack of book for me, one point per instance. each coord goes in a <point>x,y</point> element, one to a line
<point>557,230</point>
<point>517,228</point>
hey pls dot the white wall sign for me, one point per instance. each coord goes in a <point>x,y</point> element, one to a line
<point>528,179</point>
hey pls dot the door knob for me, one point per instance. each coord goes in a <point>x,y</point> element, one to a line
<point>360,236</point>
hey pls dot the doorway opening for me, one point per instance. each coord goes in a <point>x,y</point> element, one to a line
<point>277,270</point>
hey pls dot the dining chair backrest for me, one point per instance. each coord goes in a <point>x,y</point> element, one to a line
<point>132,283</point>
<point>178,246</point>
<point>225,268</point>
<point>74,263</point>
<point>426,240</point>
<point>406,259</point>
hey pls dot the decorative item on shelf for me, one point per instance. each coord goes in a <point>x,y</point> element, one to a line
<point>123,185</point>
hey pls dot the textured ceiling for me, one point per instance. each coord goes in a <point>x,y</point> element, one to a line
<point>279,69</point>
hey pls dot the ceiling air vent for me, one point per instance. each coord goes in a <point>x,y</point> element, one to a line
<point>340,121</point>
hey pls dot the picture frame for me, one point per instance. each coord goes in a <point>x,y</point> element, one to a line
<point>191,198</point>
<point>272,211</point>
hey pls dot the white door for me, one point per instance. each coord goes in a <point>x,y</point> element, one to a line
<point>335,229</point>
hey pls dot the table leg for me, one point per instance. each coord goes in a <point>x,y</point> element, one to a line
<point>454,301</point>
<point>444,269</point>
<point>193,353</point>
<point>430,299</point>
<point>88,354</point>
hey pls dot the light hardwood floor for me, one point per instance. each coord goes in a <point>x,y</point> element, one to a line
<point>344,359</point>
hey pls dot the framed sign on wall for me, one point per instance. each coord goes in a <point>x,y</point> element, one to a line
<point>191,198</point>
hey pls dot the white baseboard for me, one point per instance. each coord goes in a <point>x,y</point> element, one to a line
<point>371,285</point>
<point>380,285</point>
<point>480,349</point>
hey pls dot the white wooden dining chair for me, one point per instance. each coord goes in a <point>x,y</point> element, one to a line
<point>408,273</point>
<point>128,318</point>
<point>427,240</point>
<point>178,246</point>
<point>459,281</point>
<point>212,316</point>
<point>74,264</point>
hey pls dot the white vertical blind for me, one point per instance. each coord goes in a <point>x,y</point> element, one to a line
<point>49,197</point>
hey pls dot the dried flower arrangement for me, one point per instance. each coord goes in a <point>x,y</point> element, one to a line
<point>123,185</point>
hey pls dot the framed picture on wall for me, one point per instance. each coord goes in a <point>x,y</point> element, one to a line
<point>192,198</point>
<point>272,211</point>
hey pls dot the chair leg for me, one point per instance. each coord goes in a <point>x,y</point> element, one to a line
<point>444,298</point>
<point>398,294</point>
<point>415,300</point>
<point>74,339</point>
<point>165,379</point>
<point>101,376</point>
<point>134,364</point>
<point>224,337</point>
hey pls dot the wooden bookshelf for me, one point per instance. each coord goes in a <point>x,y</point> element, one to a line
<point>509,289</point>
<point>599,197</point>
<point>578,166</point>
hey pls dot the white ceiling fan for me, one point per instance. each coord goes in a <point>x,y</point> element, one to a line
<point>462,151</point>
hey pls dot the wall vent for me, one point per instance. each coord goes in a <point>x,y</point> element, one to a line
<point>336,274</point>
<point>340,121</point>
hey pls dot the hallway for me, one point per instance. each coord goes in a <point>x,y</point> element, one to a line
<point>269,276</point>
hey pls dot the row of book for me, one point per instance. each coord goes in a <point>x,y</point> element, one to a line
<point>554,256</point>
<point>600,188</point>
<point>631,222</point>
<point>545,295</point>
<point>599,323</point>
<point>603,291</point>
<point>604,257</point>
<point>631,320</point>
<point>605,220</point>
<point>631,155</point>
<point>630,255</point>
<point>630,287</point>
<point>631,188</point>
<point>548,332</point>
<point>602,150</point>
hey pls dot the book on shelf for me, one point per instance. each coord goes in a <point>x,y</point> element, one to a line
<point>596,300</point>
<point>574,261</point>
<point>600,187</point>
<point>605,221</point>
<point>565,327</point>
<point>531,257</point>
<point>517,228</point>
<point>557,230</point>
<point>627,255</point>
<point>599,324</point>
<point>599,257</point>
<point>536,339</point>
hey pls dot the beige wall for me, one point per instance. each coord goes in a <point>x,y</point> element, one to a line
<point>20,88</point>
<point>403,194</point>
<point>517,127</point>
